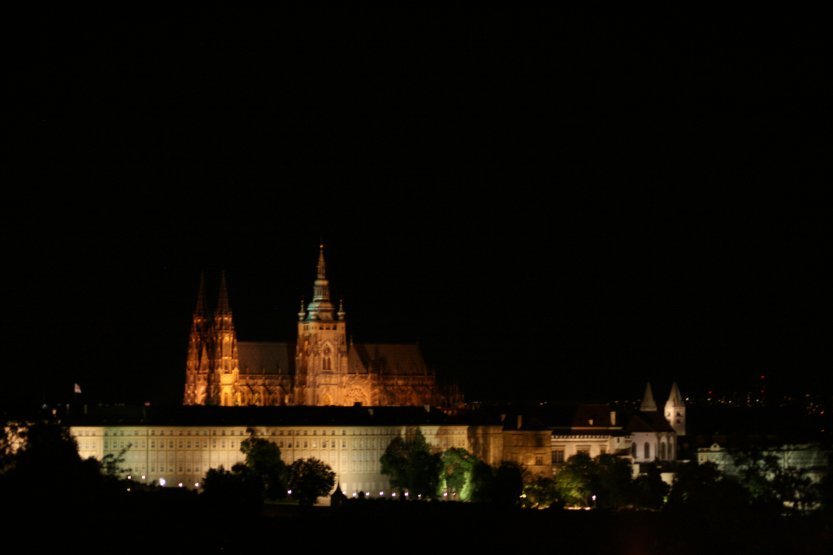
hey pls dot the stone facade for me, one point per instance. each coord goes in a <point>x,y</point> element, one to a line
<point>352,443</point>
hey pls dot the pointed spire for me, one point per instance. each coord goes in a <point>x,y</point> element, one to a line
<point>222,301</point>
<point>322,267</point>
<point>341,314</point>
<point>200,309</point>
<point>302,313</point>
<point>674,398</point>
<point>320,308</point>
<point>648,403</point>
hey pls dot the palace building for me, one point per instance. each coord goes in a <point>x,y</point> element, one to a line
<point>321,368</point>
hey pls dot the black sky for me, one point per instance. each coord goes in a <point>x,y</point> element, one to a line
<point>552,204</point>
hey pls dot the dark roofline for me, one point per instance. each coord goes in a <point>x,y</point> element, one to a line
<point>266,416</point>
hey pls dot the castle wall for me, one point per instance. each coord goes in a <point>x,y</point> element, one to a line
<point>183,454</point>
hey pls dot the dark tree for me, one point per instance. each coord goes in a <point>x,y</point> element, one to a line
<point>702,489</point>
<point>771,486</point>
<point>237,489</point>
<point>650,492</point>
<point>482,482</point>
<point>411,466</point>
<point>310,479</point>
<point>263,457</point>
<point>509,483</point>
<point>613,482</point>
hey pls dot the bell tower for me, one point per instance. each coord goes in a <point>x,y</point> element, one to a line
<point>675,410</point>
<point>321,352</point>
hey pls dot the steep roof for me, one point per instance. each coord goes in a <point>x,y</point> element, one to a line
<point>403,359</point>
<point>648,422</point>
<point>262,357</point>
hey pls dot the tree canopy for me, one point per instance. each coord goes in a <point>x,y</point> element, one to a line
<point>411,466</point>
<point>263,457</point>
<point>310,479</point>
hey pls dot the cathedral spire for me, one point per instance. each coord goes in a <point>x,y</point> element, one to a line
<point>648,403</point>
<point>320,308</point>
<point>322,267</point>
<point>222,301</point>
<point>200,310</point>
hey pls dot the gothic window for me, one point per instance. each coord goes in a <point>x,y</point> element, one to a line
<point>327,360</point>
<point>647,450</point>
<point>633,450</point>
<point>662,450</point>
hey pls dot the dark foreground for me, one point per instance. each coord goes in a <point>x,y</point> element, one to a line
<point>185,524</point>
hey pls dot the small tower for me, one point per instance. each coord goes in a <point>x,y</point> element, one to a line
<point>648,404</point>
<point>675,410</point>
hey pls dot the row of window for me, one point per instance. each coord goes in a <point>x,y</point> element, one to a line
<point>198,432</point>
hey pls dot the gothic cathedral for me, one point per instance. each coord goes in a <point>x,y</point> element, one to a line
<point>322,368</point>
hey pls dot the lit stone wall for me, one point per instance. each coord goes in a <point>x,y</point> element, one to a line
<point>181,455</point>
<point>654,446</point>
<point>565,446</point>
<point>531,449</point>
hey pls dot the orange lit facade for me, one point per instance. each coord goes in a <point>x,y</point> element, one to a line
<point>320,369</point>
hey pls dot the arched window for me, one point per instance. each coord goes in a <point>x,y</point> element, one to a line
<point>647,450</point>
<point>327,362</point>
<point>662,450</point>
<point>633,450</point>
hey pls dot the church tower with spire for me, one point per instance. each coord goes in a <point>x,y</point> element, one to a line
<point>321,352</point>
<point>675,410</point>
<point>211,369</point>
<point>198,364</point>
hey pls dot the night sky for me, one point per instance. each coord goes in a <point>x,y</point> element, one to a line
<point>553,205</point>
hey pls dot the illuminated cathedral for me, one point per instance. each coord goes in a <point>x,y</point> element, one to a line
<point>321,368</point>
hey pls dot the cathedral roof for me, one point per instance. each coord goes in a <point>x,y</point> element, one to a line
<point>278,358</point>
<point>648,422</point>
<point>263,357</point>
<point>403,359</point>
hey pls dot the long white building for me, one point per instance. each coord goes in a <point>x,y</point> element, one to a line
<point>349,439</point>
